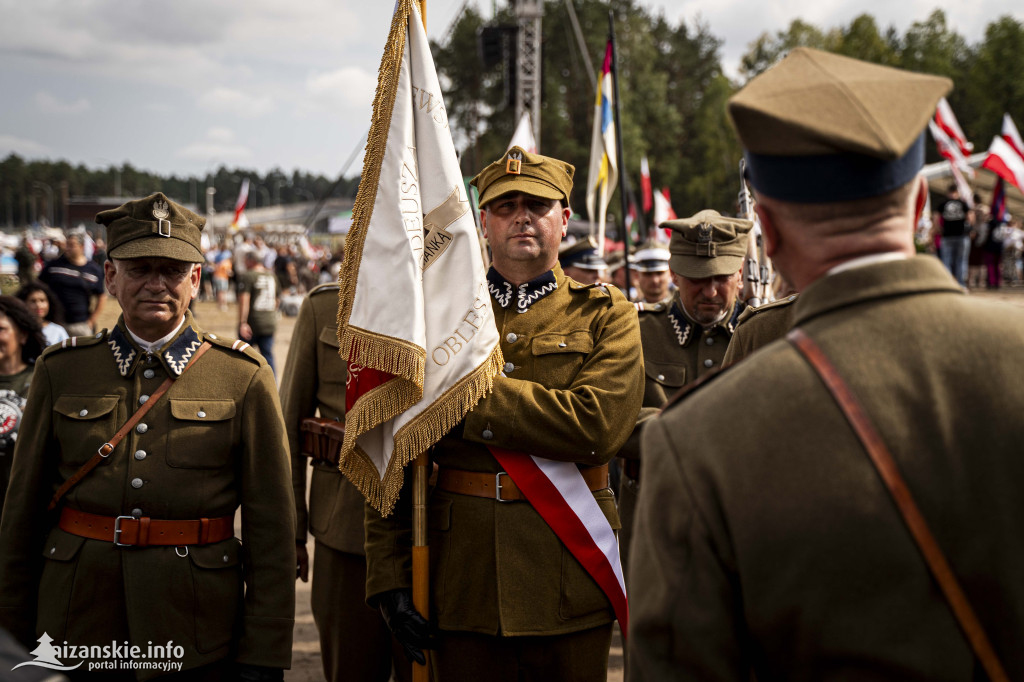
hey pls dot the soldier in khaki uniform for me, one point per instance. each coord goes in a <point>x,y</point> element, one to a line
<point>355,643</point>
<point>142,549</point>
<point>758,327</point>
<point>583,262</point>
<point>509,599</point>
<point>685,337</point>
<point>767,543</point>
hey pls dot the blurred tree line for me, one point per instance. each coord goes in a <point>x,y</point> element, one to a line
<point>674,90</point>
<point>32,192</point>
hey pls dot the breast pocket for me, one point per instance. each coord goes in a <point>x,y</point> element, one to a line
<point>201,434</point>
<point>82,423</point>
<point>559,356</point>
<point>664,379</point>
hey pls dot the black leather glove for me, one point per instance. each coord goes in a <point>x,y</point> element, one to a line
<point>259,673</point>
<point>411,630</point>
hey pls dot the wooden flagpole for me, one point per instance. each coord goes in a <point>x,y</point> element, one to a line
<point>420,550</point>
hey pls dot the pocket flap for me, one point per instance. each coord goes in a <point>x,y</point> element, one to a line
<point>666,373</point>
<point>61,546</point>
<point>85,407</point>
<point>225,554</point>
<point>202,410</point>
<point>329,335</point>
<point>563,342</point>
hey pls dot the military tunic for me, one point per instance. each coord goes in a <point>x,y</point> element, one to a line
<point>776,549</point>
<point>354,641</point>
<point>215,442</point>
<point>676,352</point>
<point>758,327</point>
<point>573,386</point>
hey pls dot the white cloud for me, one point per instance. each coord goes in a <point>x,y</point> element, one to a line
<point>236,102</point>
<point>24,147</point>
<point>49,104</point>
<point>219,145</point>
<point>348,87</point>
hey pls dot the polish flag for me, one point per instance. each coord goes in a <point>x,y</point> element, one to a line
<point>243,198</point>
<point>1012,136</point>
<point>645,185</point>
<point>945,119</point>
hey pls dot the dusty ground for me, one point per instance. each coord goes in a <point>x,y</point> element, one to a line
<point>306,651</point>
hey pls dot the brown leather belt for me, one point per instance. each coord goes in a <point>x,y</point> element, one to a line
<point>500,486</point>
<point>322,439</point>
<point>128,531</point>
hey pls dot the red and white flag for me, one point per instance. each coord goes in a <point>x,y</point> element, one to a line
<point>957,163</point>
<point>946,120</point>
<point>243,198</point>
<point>414,314</point>
<point>663,208</point>
<point>645,185</point>
<point>1012,136</point>
<point>1006,162</point>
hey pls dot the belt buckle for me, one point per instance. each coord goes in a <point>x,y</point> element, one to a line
<point>118,531</point>
<point>497,486</point>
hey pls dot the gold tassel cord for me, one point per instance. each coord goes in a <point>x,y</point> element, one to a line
<point>373,159</point>
<point>384,353</point>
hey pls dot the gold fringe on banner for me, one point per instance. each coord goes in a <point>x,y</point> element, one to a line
<point>373,159</point>
<point>418,435</point>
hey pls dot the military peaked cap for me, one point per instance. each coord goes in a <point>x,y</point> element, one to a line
<point>708,244</point>
<point>582,254</point>
<point>652,258</point>
<point>153,227</point>
<point>520,171</point>
<point>819,127</point>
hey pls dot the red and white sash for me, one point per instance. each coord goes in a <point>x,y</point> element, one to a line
<point>560,495</point>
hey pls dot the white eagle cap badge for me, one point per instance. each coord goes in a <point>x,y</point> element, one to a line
<point>161,210</point>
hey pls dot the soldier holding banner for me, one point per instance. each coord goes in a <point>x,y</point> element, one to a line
<point>509,597</point>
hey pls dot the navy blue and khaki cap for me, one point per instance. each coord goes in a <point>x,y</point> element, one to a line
<point>651,258</point>
<point>582,254</point>
<point>520,171</point>
<point>708,244</point>
<point>153,227</point>
<point>818,127</point>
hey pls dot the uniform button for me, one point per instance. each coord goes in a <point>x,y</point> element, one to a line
<point>140,455</point>
<point>661,377</point>
<point>511,338</point>
<point>52,550</point>
<point>200,414</point>
<point>99,335</point>
<point>225,558</point>
<point>137,513</point>
<point>143,399</point>
<point>710,341</point>
<point>149,374</point>
<point>562,345</point>
<point>487,434</point>
<point>709,362</point>
<point>136,483</point>
<point>509,367</point>
<point>83,413</point>
<point>213,336</point>
<point>141,428</point>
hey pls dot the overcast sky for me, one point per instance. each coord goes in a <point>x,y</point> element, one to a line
<point>184,86</point>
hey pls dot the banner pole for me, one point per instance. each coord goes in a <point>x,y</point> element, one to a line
<point>420,550</point>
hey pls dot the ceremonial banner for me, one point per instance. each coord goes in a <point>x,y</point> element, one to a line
<point>603,173</point>
<point>414,313</point>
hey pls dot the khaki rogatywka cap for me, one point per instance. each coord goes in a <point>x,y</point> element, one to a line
<point>707,244</point>
<point>153,227</point>
<point>520,171</point>
<point>820,127</point>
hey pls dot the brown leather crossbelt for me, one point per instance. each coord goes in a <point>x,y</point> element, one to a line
<point>500,486</point>
<point>128,531</point>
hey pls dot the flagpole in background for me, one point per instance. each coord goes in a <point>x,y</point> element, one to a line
<point>620,163</point>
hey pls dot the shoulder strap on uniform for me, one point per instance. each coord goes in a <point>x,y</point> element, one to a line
<point>897,486</point>
<point>108,447</point>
